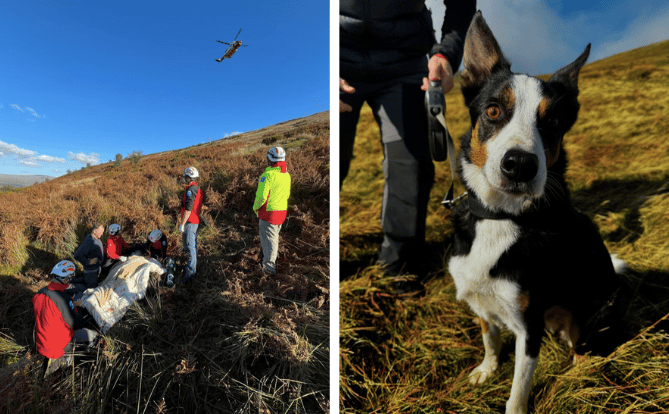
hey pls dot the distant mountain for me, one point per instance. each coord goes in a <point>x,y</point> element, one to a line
<point>22,180</point>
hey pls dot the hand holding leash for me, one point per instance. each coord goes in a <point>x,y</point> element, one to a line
<point>441,143</point>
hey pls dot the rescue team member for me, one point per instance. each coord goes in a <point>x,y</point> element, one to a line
<point>116,247</point>
<point>191,204</point>
<point>156,245</point>
<point>271,205</point>
<point>58,320</point>
<point>91,255</point>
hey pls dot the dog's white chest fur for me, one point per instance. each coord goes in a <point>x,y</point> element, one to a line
<point>494,299</point>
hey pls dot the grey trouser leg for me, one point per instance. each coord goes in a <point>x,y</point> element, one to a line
<point>189,239</point>
<point>399,109</point>
<point>269,242</point>
<point>84,336</point>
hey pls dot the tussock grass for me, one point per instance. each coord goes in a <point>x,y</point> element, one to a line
<point>234,341</point>
<point>410,353</point>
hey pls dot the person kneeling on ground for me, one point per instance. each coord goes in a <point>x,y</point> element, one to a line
<point>58,320</point>
<point>156,245</point>
<point>91,256</point>
<point>271,205</point>
<point>117,248</point>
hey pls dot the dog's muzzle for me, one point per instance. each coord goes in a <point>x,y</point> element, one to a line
<point>519,166</point>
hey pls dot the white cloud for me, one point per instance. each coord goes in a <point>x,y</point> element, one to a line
<point>643,30</point>
<point>538,40</point>
<point>48,158</point>
<point>231,134</point>
<point>28,109</point>
<point>91,158</point>
<point>11,149</point>
<point>28,163</point>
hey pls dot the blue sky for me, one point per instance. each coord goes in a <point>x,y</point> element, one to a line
<point>540,36</point>
<point>83,81</point>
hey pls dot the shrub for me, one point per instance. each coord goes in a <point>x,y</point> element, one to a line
<point>135,156</point>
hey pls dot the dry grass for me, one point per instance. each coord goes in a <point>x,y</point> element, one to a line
<point>401,353</point>
<point>235,340</point>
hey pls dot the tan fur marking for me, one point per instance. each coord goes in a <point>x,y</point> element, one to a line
<point>484,325</point>
<point>552,155</point>
<point>508,98</point>
<point>524,301</point>
<point>560,320</point>
<point>479,153</point>
<point>543,107</point>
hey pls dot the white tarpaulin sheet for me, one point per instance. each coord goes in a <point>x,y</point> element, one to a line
<point>126,283</point>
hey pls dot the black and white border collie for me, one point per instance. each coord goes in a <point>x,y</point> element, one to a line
<point>523,258</point>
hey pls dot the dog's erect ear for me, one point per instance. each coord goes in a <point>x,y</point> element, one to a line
<point>481,53</point>
<point>568,75</point>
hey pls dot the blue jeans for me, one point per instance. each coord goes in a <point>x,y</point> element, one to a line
<point>189,238</point>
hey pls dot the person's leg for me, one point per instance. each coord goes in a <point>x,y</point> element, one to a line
<point>190,248</point>
<point>348,123</point>
<point>409,173</point>
<point>269,242</point>
<point>84,336</point>
<point>91,278</point>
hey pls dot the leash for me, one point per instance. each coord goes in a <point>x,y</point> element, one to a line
<point>441,143</point>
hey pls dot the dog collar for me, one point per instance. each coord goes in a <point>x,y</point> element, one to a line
<point>477,209</point>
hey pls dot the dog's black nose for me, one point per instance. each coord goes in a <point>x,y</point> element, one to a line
<point>520,166</point>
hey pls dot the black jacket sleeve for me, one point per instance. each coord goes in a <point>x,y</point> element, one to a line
<point>459,14</point>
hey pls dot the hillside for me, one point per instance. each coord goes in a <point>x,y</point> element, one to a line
<point>412,353</point>
<point>11,180</point>
<point>233,341</point>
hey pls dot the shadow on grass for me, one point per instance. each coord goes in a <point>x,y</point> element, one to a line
<point>431,263</point>
<point>619,196</point>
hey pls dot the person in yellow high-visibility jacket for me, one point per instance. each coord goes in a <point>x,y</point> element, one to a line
<point>271,205</point>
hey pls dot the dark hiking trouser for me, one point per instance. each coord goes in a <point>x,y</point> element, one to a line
<point>399,109</point>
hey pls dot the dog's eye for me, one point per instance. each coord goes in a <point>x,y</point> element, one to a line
<point>552,122</point>
<point>493,112</point>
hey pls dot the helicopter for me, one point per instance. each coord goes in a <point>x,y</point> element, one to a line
<point>232,48</point>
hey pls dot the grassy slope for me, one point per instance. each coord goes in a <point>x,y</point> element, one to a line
<point>234,340</point>
<point>407,354</point>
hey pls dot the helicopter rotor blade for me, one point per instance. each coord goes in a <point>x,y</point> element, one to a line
<point>226,43</point>
<point>240,30</point>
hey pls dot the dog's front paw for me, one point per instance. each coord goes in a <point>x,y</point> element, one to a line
<point>482,373</point>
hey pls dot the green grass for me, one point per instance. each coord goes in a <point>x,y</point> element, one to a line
<point>404,353</point>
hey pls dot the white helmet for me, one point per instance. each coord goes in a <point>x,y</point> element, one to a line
<point>155,235</point>
<point>191,172</point>
<point>63,271</point>
<point>114,229</point>
<point>276,154</point>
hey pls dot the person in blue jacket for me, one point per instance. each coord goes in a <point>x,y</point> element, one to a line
<point>91,256</point>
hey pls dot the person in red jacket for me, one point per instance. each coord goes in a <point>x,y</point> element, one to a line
<point>156,245</point>
<point>191,204</point>
<point>116,248</point>
<point>58,320</point>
